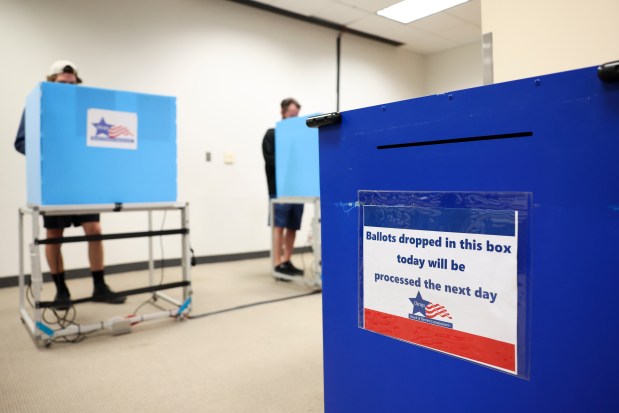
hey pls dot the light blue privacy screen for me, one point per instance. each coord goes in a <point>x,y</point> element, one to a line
<point>296,158</point>
<point>95,146</point>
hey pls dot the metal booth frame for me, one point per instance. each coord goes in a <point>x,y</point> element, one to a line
<point>43,334</point>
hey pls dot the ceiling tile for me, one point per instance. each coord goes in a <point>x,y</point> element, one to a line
<point>456,26</point>
<point>469,12</point>
<point>306,8</point>
<point>438,22</point>
<point>371,6</point>
<point>375,24</point>
<point>341,14</point>
<point>463,34</point>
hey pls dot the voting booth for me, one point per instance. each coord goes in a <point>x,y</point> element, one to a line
<point>298,182</point>
<point>472,237</point>
<point>95,146</point>
<point>91,150</point>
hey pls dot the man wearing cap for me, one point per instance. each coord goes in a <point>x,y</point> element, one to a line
<point>63,71</point>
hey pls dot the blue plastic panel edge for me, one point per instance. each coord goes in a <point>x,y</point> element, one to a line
<point>296,159</point>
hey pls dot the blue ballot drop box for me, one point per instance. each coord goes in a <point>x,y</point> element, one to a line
<point>88,145</point>
<point>532,163</point>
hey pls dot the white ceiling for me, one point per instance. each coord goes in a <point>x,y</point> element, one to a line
<point>451,28</point>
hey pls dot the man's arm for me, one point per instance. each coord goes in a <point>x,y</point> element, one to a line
<point>20,139</point>
<point>268,148</point>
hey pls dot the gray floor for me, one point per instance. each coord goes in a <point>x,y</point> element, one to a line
<point>265,358</point>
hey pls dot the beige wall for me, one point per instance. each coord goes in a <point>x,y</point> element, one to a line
<point>372,74</point>
<point>535,37</point>
<point>454,69</point>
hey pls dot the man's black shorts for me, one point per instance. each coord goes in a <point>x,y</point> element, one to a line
<point>65,221</point>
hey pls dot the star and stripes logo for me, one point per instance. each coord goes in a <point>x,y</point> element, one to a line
<point>107,130</point>
<point>427,312</point>
<point>112,129</point>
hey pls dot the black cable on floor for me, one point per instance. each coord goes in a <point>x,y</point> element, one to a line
<point>191,317</point>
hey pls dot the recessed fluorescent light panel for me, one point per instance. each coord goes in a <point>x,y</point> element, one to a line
<point>410,10</point>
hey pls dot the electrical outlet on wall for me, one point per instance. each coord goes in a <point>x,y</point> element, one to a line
<point>229,158</point>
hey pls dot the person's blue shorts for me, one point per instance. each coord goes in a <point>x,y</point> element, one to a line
<point>288,215</point>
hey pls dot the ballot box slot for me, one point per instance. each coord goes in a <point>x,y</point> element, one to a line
<point>457,140</point>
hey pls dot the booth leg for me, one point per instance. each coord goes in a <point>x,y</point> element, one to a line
<point>186,253</point>
<point>36,277</point>
<point>151,262</point>
<point>21,278</point>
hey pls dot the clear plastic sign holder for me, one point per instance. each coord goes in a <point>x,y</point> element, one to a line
<point>447,271</point>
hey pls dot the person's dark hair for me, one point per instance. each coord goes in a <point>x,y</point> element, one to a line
<point>289,101</point>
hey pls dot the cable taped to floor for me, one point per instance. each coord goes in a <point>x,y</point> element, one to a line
<point>240,307</point>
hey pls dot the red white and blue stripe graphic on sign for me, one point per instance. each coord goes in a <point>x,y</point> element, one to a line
<point>459,343</point>
<point>437,310</point>
<point>119,130</point>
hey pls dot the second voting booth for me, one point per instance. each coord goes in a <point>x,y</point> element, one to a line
<point>472,250</point>
<point>298,182</point>
<point>91,150</point>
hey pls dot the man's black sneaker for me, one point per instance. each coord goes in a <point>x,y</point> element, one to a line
<point>62,300</point>
<point>103,294</point>
<point>295,270</point>
<point>282,269</point>
<point>288,269</point>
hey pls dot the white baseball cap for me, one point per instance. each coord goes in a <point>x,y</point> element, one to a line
<point>63,66</point>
